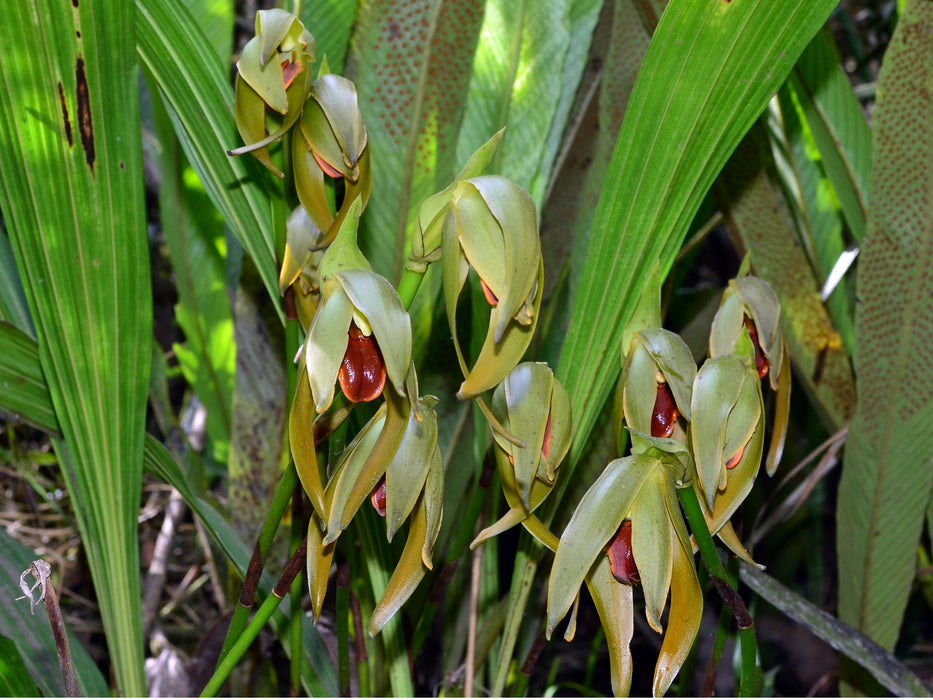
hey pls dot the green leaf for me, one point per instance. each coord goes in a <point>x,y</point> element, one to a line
<point>526,70</point>
<point>24,392</point>
<point>838,125</point>
<point>709,72</point>
<point>887,474</point>
<point>33,635</point>
<point>331,23</point>
<point>15,680</point>
<point>72,199</point>
<point>13,308</point>
<point>194,234</point>
<point>882,665</point>
<point>195,86</point>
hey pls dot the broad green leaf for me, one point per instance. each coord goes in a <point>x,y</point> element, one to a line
<point>526,70</point>
<point>756,211</point>
<point>216,19</point>
<point>32,634</point>
<point>318,674</point>
<point>331,22</point>
<point>23,391</point>
<point>838,125</point>
<point>13,308</point>
<point>15,681</point>
<point>888,469</point>
<point>709,72</point>
<point>72,199</point>
<point>633,22</point>
<point>195,86</point>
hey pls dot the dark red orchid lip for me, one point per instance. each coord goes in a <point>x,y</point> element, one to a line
<point>362,374</point>
<point>664,415</point>
<point>621,558</point>
<point>378,497</point>
<point>761,362</point>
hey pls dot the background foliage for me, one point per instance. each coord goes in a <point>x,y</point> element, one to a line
<point>736,130</point>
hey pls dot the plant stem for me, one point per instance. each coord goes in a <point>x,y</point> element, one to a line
<point>720,578</point>
<point>268,607</point>
<point>408,286</point>
<point>280,500</point>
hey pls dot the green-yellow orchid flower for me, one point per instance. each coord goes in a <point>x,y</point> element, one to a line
<point>749,303</point>
<point>396,462</point>
<point>491,227</point>
<point>273,81</point>
<point>333,143</point>
<point>534,407</point>
<point>628,529</point>
<point>727,436</point>
<point>360,337</point>
<point>298,276</point>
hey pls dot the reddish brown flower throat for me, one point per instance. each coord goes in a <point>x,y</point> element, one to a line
<point>362,373</point>
<point>621,559</point>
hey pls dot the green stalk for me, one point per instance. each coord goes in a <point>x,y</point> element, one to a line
<point>691,506</point>
<point>280,500</point>
<point>526,564</point>
<point>408,286</point>
<point>268,607</point>
<point>296,615</point>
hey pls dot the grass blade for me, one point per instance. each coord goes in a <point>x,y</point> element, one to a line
<point>72,198</point>
<point>887,474</point>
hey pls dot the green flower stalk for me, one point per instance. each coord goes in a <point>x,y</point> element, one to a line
<point>273,82</point>
<point>534,407</point>
<point>749,304</point>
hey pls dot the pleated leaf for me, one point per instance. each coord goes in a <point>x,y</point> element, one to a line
<point>72,198</point>
<point>525,74</point>
<point>13,308</point>
<point>196,87</point>
<point>23,391</point>
<point>888,469</point>
<point>708,73</point>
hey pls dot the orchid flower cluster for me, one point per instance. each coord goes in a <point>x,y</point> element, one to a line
<point>358,342</point>
<point>689,428</point>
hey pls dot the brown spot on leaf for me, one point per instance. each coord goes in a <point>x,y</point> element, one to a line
<point>66,120</point>
<point>85,127</point>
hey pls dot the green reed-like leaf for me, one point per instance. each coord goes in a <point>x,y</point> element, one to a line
<point>708,73</point>
<point>195,86</point>
<point>526,70</point>
<point>71,175</point>
<point>838,126</point>
<point>888,470</point>
<point>633,21</point>
<point>13,308</point>
<point>23,391</point>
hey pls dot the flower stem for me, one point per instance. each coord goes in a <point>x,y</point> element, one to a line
<point>720,578</point>
<point>246,637</point>
<point>408,286</point>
